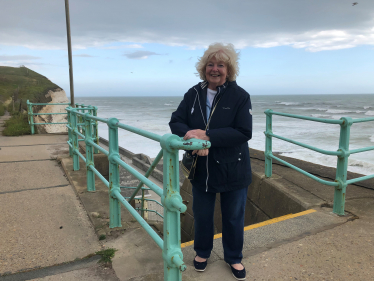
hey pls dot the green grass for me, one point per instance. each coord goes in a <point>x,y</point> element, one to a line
<point>106,255</point>
<point>32,85</point>
<point>17,125</point>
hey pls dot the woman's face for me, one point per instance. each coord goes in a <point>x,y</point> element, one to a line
<point>215,73</point>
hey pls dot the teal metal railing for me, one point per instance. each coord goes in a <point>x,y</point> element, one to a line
<point>31,114</point>
<point>170,196</point>
<point>342,154</point>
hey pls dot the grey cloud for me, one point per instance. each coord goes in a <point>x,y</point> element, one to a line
<point>18,58</point>
<point>140,55</point>
<point>312,25</point>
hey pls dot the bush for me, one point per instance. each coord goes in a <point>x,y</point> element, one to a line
<point>17,125</point>
<point>2,110</point>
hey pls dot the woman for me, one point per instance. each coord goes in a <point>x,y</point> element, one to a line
<point>219,111</point>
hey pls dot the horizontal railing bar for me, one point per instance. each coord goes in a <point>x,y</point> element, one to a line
<point>358,150</point>
<point>133,187</point>
<point>149,171</point>
<point>104,120</point>
<point>81,140</point>
<point>141,132</point>
<point>50,123</point>
<point>79,134</point>
<point>70,144</point>
<point>153,211</point>
<point>360,179</point>
<point>359,120</point>
<point>98,147</point>
<point>190,144</point>
<point>139,176</point>
<point>100,176</point>
<point>327,152</point>
<point>80,155</point>
<point>49,103</point>
<point>321,120</point>
<point>138,217</point>
<point>304,173</point>
<point>47,113</point>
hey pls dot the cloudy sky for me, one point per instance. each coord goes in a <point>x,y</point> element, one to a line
<point>148,47</point>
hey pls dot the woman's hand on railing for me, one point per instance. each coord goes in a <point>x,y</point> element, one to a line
<point>196,134</point>
<point>203,152</point>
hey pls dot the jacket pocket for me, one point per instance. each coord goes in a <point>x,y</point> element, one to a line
<point>226,165</point>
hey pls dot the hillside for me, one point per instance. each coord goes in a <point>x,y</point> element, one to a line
<point>32,85</point>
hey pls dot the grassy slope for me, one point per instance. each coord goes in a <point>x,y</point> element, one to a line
<point>32,85</point>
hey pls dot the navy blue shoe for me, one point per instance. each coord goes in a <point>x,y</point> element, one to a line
<point>200,266</point>
<point>238,274</point>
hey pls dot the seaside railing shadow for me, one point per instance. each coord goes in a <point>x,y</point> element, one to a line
<point>170,195</point>
<point>31,115</point>
<point>340,183</point>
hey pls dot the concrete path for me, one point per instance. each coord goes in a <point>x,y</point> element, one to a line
<point>42,220</point>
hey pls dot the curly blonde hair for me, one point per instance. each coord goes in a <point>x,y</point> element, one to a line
<point>221,52</point>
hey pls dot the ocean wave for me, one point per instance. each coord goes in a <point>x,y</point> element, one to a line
<point>338,111</point>
<point>370,113</point>
<point>372,138</point>
<point>360,111</point>
<point>168,104</point>
<point>320,115</point>
<point>288,103</point>
<point>367,107</point>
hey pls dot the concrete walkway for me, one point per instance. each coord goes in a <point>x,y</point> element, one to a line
<point>42,221</point>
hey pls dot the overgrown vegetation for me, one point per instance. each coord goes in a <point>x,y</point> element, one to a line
<point>106,255</point>
<point>21,84</point>
<point>18,125</point>
<point>2,109</point>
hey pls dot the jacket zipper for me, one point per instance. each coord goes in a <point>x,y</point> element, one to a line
<point>207,157</point>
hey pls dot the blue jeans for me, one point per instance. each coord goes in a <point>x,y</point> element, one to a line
<point>232,209</point>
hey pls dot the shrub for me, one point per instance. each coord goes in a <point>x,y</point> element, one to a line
<point>17,125</point>
<point>2,110</point>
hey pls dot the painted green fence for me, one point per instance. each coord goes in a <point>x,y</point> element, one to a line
<point>31,114</point>
<point>170,196</point>
<point>342,154</point>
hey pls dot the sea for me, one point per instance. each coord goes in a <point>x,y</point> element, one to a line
<point>153,114</point>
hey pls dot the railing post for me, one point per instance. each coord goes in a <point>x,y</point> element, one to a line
<point>31,117</point>
<point>342,165</point>
<point>268,144</point>
<point>69,132</point>
<point>95,131</point>
<point>89,154</point>
<point>172,201</point>
<point>74,136</point>
<point>114,181</point>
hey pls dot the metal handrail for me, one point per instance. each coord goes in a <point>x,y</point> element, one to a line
<point>30,115</point>
<point>342,154</point>
<point>170,196</point>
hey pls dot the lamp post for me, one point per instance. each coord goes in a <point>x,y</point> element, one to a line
<point>69,53</point>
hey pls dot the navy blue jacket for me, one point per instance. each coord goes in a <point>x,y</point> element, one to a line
<point>227,167</point>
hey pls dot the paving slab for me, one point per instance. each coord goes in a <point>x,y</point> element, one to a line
<point>38,139</point>
<point>43,227</point>
<point>19,176</point>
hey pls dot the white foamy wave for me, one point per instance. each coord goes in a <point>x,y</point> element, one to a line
<point>168,104</point>
<point>367,107</point>
<point>372,138</point>
<point>370,113</point>
<point>336,117</point>
<point>320,115</point>
<point>288,103</point>
<point>338,111</point>
<point>360,111</point>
